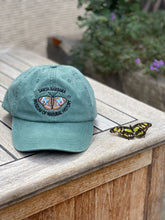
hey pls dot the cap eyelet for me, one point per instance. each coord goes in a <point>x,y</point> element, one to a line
<point>53,66</point>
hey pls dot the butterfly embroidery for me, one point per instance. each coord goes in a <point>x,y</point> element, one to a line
<point>52,103</point>
<point>138,130</point>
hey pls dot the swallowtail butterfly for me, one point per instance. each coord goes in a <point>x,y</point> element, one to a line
<point>138,130</point>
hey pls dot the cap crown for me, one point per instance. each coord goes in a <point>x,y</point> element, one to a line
<point>51,93</point>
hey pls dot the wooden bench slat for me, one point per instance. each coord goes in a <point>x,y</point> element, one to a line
<point>5,117</point>
<point>4,157</point>
<point>114,114</point>
<point>75,187</point>
<point>103,123</point>
<point>6,142</point>
<point>29,58</point>
<point>5,80</point>
<point>95,130</point>
<point>13,62</point>
<point>2,93</point>
<point>9,71</point>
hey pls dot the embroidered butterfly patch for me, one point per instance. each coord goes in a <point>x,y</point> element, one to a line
<point>138,130</point>
<point>52,103</point>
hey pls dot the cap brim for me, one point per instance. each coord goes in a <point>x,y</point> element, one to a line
<point>34,136</point>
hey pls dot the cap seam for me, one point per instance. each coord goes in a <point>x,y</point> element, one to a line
<point>54,121</point>
<point>51,81</point>
<point>55,76</point>
<point>89,97</point>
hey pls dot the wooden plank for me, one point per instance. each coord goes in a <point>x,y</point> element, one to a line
<point>114,114</point>
<point>6,142</point>
<point>5,117</point>
<point>9,71</point>
<point>5,80</point>
<point>138,193</point>
<point>14,62</point>
<point>104,201</point>
<point>156,184</point>
<point>85,205</point>
<point>2,93</point>
<point>47,214</point>
<point>29,58</point>
<point>95,130</point>
<point>122,198</point>
<point>62,211</point>
<point>65,210</point>
<point>4,157</point>
<point>103,123</point>
<point>75,187</point>
<point>163,208</point>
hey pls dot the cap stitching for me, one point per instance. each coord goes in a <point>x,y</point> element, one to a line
<point>51,98</point>
<point>51,80</point>
<point>55,76</point>
<point>88,94</point>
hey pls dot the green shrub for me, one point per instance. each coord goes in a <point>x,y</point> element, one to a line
<point>116,34</point>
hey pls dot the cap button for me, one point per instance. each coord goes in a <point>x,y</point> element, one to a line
<point>53,66</point>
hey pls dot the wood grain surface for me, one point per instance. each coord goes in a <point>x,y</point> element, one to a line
<point>156,185</point>
<point>120,199</point>
<point>78,186</point>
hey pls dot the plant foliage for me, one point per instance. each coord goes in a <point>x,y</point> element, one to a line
<point>117,33</point>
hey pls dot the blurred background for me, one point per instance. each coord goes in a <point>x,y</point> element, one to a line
<point>30,23</point>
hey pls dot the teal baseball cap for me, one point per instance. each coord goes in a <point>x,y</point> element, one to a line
<point>53,108</point>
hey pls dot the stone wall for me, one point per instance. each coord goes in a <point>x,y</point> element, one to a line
<point>145,88</point>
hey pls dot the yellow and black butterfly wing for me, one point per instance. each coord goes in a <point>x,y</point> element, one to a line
<point>125,132</point>
<point>140,129</point>
<point>140,133</point>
